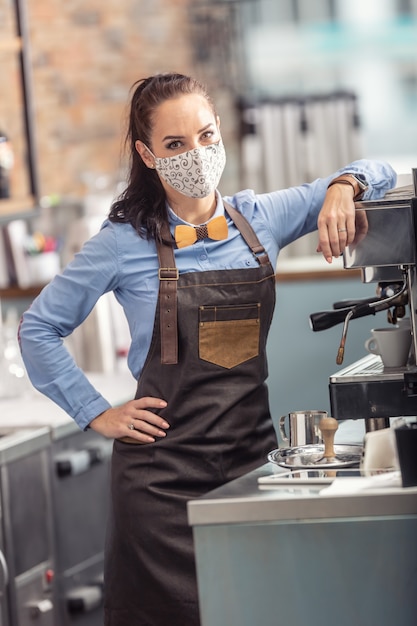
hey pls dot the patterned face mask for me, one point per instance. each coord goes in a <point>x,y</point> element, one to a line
<point>195,173</point>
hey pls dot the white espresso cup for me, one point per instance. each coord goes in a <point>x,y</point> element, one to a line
<point>391,343</point>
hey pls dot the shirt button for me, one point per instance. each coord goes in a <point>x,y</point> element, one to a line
<point>248,262</point>
<point>203,257</point>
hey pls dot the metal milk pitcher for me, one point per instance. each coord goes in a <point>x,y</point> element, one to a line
<point>303,428</point>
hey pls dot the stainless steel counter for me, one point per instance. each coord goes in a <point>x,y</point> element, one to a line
<point>35,410</point>
<point>54,487</point>
<point>243,501</point>
<point>291,556</point>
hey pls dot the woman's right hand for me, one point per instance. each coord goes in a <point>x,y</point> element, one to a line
<point>117,422</point>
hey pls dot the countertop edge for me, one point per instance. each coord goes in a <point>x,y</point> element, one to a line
<point>242,501</point>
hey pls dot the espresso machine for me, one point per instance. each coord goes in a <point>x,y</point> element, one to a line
<point>385,252</point>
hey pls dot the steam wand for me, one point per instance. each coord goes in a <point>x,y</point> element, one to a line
<point>341,351</point>
<point>380,305</point>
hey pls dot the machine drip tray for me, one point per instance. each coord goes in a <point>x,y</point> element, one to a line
<point>368,368</point>
<point>366,389</point>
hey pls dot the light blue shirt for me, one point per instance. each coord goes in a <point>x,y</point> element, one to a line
<point>117,259</point>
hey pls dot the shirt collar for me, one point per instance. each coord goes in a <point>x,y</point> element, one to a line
<point>174,219</point>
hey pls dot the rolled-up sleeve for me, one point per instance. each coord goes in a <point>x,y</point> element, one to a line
<point>292,213</point>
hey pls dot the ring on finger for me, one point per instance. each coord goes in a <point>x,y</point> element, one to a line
<point>131,427</point>
<point>342,230</point>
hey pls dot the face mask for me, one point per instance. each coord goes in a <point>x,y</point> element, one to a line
<point>195,173</point>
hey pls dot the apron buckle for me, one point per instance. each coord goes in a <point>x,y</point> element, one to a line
<point>168,273</point>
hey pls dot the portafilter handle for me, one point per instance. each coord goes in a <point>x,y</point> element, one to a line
<point>345,304</point>
<point>385,290</point>
<point>369,306</point>
<point>327,319</point>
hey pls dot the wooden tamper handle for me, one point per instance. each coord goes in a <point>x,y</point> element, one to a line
<point>328,427</point>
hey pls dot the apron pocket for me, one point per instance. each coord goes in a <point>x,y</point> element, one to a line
<point>229,335</point>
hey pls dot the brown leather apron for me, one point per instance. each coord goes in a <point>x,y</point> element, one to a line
<point>220,428</point>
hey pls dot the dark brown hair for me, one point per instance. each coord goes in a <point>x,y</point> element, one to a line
<point>142,203</point>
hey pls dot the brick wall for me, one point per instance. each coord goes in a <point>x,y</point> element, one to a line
<point>85,55</point>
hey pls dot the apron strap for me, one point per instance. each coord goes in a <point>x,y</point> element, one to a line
<point>168,279</point>
<point>248,234</point>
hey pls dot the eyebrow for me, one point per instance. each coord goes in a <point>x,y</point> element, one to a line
<point>171,137</point>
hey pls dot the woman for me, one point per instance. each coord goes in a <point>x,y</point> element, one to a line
<point>199,302</point>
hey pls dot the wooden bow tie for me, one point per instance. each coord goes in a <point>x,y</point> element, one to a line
<point>214,229</point>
